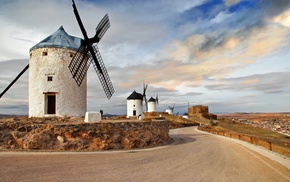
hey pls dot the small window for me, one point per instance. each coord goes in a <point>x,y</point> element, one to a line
<point>71,54</point>
<point>30,55</point>
<point>49,78</point>
<point>44,53</point>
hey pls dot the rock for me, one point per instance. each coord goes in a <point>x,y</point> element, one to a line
<point>24,128</point>
<point>60,139</point>
<point>18,137</point>
<point>38,141</point>
<point>68,136</point>
<point>93,117</point>
<point>2,126</point>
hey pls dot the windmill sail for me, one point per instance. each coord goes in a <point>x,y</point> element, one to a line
<point>144,95</point>
<point>17,77</point>
<point>79,65</point>
<point>157,99</point>
<point>79,20</point>
<point>102,27</point>
<point>101,70</point>
<point>89,53</point>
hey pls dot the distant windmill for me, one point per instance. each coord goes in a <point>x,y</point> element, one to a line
<point>152,104</point>
<point>89,53</point>
<point>170,110</point>
<point>144,95</point>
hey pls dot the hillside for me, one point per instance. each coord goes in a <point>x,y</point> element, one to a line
<point>174,121</point>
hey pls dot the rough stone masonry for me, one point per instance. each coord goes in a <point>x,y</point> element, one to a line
<point>83,136</point>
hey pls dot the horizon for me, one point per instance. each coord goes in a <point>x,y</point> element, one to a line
<point>179,114</point>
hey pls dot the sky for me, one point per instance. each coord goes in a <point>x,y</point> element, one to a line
<point>230,55</point>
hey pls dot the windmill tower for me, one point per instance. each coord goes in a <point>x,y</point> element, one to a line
<point>59,61</point>
<point>152,104</point>
<point>52,91</point>
<point>134,104</point>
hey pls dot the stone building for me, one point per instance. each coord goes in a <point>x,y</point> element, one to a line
<point>52,89</point>
<point>201,112</point>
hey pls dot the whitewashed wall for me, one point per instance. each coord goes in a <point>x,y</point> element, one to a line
<point>151,106</point>
<point>70,98</point>
<point>169,111</point>
<point>134,104</point>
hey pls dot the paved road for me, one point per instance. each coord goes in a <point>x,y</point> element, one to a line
<point>197,156</point>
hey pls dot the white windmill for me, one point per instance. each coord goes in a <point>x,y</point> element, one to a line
<point>152,104</point>
<point>134,104</point>
<point>57,75</point>
<point>170,110</point>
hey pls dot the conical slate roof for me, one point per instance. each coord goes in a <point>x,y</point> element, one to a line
<point>59,39</point>
<point>135,95</point>
<point>152,100</point>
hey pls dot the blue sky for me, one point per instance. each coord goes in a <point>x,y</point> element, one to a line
<point>232,55</point>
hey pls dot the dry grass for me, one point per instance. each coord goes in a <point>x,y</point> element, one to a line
<point>250,130</point>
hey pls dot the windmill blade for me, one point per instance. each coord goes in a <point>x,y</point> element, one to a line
<point>79,20</point>
<point>144,95</point>
<point>101,70</point>
<point>144,89</point>
<point>17,77</point>
<point>101,29</point>
<point>157,99</point>
<point>80,64</point>
<point>146,104</point>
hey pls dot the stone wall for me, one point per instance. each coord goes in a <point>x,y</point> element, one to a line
<point>83,136</point>
<point>278,146</point>
<point>201,111</point>
<point>197,109</point>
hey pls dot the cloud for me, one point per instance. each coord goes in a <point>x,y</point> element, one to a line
<point>16,98</point>
<point>219,54</point>
<point>283,19</point>
<point>231,2</point>
<point>265,83</point>
<point>192,61</point>
<point>182,49</point>
<point>222,16</point>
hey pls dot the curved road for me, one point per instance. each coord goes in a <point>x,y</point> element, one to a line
<point>195,156</point>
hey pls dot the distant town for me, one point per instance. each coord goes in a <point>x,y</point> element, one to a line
<point>277,122</point>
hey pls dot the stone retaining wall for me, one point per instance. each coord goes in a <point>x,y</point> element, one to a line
<point>281,147</point>
<point>83,136</point>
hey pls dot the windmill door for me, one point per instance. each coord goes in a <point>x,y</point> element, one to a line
<point>134,112</point>
<point>51,104</point>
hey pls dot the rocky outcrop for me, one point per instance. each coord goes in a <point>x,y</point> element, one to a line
<point>83,136</point>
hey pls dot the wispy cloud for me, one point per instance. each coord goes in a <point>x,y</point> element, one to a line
<point>231,2</point>
<point>265,83</point>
